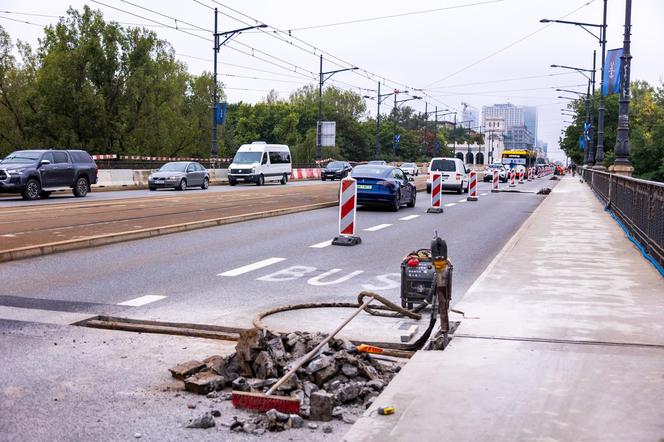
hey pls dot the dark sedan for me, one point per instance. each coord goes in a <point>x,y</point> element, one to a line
<point>179,175</point>
<point>384,185</point>
<point>336,170</point>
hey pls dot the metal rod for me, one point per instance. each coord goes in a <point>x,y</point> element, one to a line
<point>622,138</point>
<point>599,153</point>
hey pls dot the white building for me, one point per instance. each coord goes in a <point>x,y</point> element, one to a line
<point>470,117</point>
<point>494,138</point>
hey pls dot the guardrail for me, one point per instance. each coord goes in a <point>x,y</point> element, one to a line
<point>638,204</point>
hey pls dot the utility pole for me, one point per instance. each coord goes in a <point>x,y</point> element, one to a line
<point>426,116</point>
<point>592,115</point>
<point>586,156</point>
<point>599,154</point>
<point>435,132</point>
<point>324,76</point>
<point>622,165</point>
<point>214,149</point>
<point>378,125</point>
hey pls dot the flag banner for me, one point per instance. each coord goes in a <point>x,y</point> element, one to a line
<point>582,142</point>
<point>220,113</point>
<point>612,72</point>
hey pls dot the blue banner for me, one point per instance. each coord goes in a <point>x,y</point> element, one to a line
<point>582,142</point>
<point>220,113</point>
<point>612,72</point>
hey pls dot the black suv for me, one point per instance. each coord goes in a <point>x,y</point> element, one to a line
<point>36,173</point>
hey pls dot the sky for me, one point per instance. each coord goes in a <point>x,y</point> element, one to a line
<point>478,52</point>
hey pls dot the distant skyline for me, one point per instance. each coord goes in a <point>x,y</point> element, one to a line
<point>472,51</point>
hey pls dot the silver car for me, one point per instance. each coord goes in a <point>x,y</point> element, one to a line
<point>179,175</point>
<point>410,169</point>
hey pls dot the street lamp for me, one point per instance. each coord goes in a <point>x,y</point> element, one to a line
<point>324,76</point>
<point>435,113</point>
<point>599,153</point>
<point>380,98</point>
<point>397,103</point>
<point>214,149</point>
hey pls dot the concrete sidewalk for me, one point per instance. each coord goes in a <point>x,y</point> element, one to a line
<point>566,342</point>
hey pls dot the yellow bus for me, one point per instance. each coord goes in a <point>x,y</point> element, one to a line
<point>519,157</point>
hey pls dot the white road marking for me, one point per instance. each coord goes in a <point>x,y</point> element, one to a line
<point>378,227</point>
<point>143,300</point>
<point>450,204</point>
<point>463,200</point>
<point>409,217</point>
<point>321,245</point>
<point>484,194</point>
<point>251,267</point>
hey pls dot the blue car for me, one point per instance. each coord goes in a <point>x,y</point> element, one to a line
<point>384,185</point>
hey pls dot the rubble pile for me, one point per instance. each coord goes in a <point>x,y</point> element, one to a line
<point>338,382</point>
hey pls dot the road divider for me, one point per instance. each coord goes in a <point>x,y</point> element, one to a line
<point>436,193</point>
<point>472,187</point>
<point>347,214</point>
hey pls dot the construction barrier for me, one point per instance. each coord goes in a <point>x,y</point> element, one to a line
<point>472,187</point>
<point>512,178</point>
<point>521,172</point>
<point>530,174</point>
<point>495,180</point>
<point>347,210</point>
<point>305,174</point>
<point>436,195</point>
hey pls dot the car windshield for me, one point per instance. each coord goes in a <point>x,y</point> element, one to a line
<point>443,166</point>
<point>247,157</point>
<point>377,162</point>
<point>371,172</point>
<point>335,165</point>
<point>173,167</point>
<point>22,156</point>
<point>408,165</point>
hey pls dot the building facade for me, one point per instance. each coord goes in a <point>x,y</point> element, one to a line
<point>494,137</point>
<point>519,137</point>
<point>470,117</point>
<point>530,119</point>
<point>512,115</point>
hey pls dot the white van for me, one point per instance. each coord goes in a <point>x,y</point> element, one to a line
<point>454,174</point>
<point>260,162</point>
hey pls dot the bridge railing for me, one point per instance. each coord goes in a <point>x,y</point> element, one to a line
<point>639,204</point>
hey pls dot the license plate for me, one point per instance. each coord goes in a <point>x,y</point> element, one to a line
<point>364,186</point>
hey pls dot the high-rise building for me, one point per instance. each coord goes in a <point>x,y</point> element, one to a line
<point>530,119</point>
<point>519,137</point>
<point>511,114</point>
<point>470,117</point>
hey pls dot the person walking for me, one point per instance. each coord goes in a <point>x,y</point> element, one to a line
<point>573,167</point>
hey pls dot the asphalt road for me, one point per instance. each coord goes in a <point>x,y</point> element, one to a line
<point>110,385</point>
<point>66,197</point>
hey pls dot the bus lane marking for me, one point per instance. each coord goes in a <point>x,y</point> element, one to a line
<point>251,267</point>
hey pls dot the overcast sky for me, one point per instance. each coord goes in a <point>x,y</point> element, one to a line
<point>472,51</point>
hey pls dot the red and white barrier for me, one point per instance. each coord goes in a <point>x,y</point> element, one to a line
<point>104,157</point>
<point>347,211</point>
<point>305,174</point>
<point>472,186</point>
<point>521,172</point>
<point>436,194</point>
<point>512,178</point>
<point>530,174</point>
<point>496,177</point>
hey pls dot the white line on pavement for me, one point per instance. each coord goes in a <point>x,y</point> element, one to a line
<point>408,218</point>
<point>463,200</point>
<point>484,194</point>
<point>251,267</point>
<point>137,302</point>
<point>378,227</point>
<point>320,245</point>
<point>450,204</point>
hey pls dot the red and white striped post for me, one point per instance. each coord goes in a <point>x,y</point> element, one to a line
<point>436,195</point>
<point>521,176</point>
<point>530,174</point>
<point>472,187</point>
<point>496,176</point>
<point>347,210</point>
<point>512,178</point>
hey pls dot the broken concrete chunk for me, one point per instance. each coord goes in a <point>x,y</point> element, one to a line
<point>204,421</point>
<point>349,370</point>
<point>240,384</point>
<point>327,429</point>
<point>309,387</point>
<point>215,363</point>
<point>376,384</point>
<point>296,421</point>
<point>325,374</point>
<point>348,418</point>
<point>348,392</point>
<point>204,382</point>
<point>183,371</point>
<point>319,364</point>
<point>321,404</point>
<point>367,370</point>
<point>264,367</point>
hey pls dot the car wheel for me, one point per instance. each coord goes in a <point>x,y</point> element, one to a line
<point>152,189</point>
<point>397,202</point>
<point>81,188</point>
<point>206,183</point>
<point>323,178</point>
<point>460,189</point>
<point>32,189</point>
<point>466,189</point>
<point>428,188</point>
<point>284,179</point>
<point>182,186</point>
<point>44,194</point>
<point>232,182</point>
<point>261,180</point>
<point>413,199</point>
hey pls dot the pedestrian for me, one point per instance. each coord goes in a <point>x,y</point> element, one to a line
<point>573,166</point>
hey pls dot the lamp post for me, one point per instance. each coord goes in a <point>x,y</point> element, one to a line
<point>397,103</point>
<point>599,152</point>
<point>324,76</point>
<point>379,99</point>
<point>588,158</point>
<point>622,164</point>
<point>214,149</point>
<point>435,113</point>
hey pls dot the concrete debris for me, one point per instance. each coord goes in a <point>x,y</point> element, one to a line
<point>338,383</point>
<point>544,191</point>
<point>184,370</point>
<point>327,428</point>
<point>204,421</point>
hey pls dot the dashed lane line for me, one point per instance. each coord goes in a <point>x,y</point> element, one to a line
<point>462,201</point>
<point>484,194</point>
<point>251,267</point>
<point>378,227</point>
<point>408,218</point>
<point>321,245</point>
<point>450,204</point>
<point>143,300</point>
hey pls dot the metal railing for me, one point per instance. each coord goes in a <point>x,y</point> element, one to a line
<point>639,204</point>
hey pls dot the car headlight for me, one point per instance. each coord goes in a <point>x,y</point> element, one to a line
<point>15,171</point>
<point>172,178</point>
<point>253,170</point>
<point>150,177</point>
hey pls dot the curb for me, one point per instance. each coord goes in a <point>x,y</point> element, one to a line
<point>112,238</point>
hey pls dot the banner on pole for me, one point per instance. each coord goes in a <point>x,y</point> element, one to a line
<point>612,72</point>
